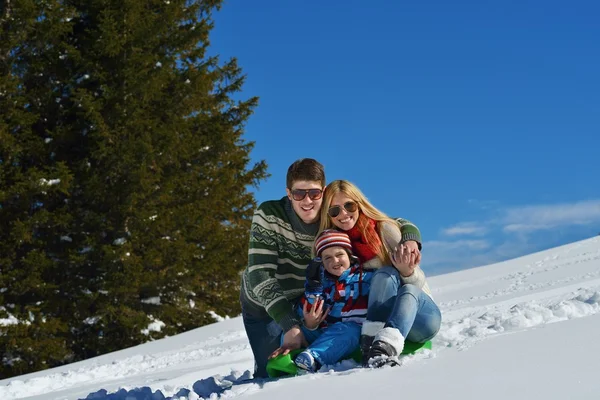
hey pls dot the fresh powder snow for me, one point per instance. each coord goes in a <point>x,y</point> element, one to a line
<point>520,329</point>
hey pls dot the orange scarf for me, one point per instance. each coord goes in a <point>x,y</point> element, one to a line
<point>365,242</point>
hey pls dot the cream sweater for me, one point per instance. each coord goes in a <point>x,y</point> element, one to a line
<point>391,236</point>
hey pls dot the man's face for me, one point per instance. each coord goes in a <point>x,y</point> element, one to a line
<point>307,208</point>
<point>335,260</point>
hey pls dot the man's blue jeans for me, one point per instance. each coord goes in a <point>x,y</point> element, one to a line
<point>264,335</point>
<point>404,307</point>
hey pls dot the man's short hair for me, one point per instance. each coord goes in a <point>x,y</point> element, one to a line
<point>305,169</point>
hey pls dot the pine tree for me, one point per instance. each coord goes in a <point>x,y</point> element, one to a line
<point>124,176</point>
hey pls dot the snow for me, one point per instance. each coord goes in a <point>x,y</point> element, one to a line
<point>46,182</point>
<point>521,329</point>
<point>11,320</point>
<point>152,300</point>
<point>119,241</point>
<point>217,317</point>
<point>154,326</point>
<point>91,320</point>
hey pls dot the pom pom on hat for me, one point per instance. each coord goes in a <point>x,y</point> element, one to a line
<point>330,238</point>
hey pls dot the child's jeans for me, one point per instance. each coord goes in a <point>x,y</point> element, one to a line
<point>334,343</point>
<point>404,307</point>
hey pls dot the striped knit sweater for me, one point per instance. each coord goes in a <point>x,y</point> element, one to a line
<point>279,251</point>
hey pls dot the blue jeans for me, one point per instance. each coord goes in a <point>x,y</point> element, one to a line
<point>334,343</point>
<point>264,336</point>
<point>404,307</point>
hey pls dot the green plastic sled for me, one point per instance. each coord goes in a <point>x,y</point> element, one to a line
<point>284,365</point>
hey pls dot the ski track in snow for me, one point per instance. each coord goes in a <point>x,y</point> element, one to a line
<point>465,323</point>
<point>464,332</point>
<point>519,278</point>
<point>205,351</point>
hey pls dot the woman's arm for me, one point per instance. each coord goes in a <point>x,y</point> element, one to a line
<point>392,237</point>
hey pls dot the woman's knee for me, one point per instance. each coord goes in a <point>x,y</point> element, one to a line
<point>434,324</point>
<point>410,289</point>
<point>426,327</point>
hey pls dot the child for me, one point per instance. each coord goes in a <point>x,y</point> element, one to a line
<point>341,285</point>
<point>401,306</point>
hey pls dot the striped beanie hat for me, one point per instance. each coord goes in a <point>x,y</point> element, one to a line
<point>330,238</point>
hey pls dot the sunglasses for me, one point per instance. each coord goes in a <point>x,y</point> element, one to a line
<point>349,206</point>
<point>300,194</point>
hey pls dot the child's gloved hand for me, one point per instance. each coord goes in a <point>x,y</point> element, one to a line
<point>314,278</point>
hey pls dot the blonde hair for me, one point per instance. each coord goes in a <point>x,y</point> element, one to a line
<point>365,209</point>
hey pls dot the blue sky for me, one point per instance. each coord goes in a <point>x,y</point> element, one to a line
<point>477,120</point>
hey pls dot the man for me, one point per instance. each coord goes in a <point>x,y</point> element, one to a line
<point>281,239</point>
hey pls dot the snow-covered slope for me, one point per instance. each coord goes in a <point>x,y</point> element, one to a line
<point>520,329</point>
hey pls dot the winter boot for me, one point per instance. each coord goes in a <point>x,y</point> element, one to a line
<point>387,346</point>
<point>306,361</point>
<point>368,332</point>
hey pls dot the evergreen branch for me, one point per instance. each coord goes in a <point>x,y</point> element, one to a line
<point>5,14</point>
<point>6,10</point>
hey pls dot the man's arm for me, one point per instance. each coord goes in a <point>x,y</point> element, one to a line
<point>394,234</point>
<point>263,256</point>
<point>409,231</point>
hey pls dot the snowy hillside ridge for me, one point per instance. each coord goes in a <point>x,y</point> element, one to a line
<point>522,297</point>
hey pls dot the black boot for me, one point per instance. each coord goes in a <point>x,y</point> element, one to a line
<point>381,354</point>
<point>365,348</point>
<point>368,332</point>
<point>387,346</point>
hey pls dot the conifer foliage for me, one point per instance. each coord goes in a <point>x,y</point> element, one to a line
<point>124,176</point>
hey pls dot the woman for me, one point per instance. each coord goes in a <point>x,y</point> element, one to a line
<point>400,303</point>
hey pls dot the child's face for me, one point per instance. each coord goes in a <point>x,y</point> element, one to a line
<point>335,260</point>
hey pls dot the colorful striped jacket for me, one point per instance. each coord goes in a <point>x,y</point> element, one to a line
<point>347,295</point>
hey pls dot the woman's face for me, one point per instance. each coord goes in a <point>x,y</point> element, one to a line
<point>344,220</point>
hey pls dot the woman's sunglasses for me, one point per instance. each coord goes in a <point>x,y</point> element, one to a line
<point>349,206</point>
<point>300,194</point>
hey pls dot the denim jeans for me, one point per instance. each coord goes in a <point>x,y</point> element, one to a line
<point>334,343</point>
<point>404,307</point>
<point>264,336</point>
